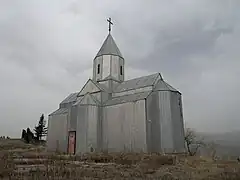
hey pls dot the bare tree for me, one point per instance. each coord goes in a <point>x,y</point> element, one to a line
<point>193,143</point>
<point>212,147</point>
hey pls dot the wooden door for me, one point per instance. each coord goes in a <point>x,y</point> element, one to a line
<point>71,142</point>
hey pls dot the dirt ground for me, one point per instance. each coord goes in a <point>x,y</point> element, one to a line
<point>21,161</point>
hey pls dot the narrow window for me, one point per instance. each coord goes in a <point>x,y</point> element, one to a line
<point>98,68</point>
<point>121,70</point>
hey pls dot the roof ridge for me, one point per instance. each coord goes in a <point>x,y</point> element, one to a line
<point>141,77</point>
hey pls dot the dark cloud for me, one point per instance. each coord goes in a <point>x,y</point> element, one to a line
<point>47,50</point>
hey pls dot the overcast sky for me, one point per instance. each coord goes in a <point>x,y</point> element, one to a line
<point>47,49</point>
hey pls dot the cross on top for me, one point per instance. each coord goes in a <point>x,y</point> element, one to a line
<point>109,24</point>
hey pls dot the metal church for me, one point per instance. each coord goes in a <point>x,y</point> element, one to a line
<point>110,114</point>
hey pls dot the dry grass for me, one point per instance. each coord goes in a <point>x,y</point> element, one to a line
<point>20,161</point>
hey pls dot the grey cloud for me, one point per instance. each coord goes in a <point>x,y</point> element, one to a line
<point>47,50</point>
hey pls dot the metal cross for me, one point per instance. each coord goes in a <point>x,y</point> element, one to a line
<point>109,24</point>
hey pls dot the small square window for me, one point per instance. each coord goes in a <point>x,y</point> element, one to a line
<point>98,68</point>
<point>121,70</point>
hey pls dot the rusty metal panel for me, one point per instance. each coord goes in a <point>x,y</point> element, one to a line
<point>57,138</point>
<point>124,127</point>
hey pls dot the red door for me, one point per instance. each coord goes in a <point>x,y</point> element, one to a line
<point>71,142</point>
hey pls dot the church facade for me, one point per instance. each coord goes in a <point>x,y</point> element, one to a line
<point>143,114</point>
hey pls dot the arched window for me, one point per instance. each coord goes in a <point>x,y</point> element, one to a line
<point>98,68</point>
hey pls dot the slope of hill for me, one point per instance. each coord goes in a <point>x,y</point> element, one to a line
<point>227,143</point>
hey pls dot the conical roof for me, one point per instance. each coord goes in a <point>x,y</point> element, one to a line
<point>109,47</point>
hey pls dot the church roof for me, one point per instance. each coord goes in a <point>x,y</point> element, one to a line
<point>60,111</point>
<point>163,86</point>
<point>128,98</point>
<point>109,47</point>
<point>137,83</point>
<point>71,98</point>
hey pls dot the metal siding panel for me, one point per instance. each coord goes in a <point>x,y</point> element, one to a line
<point>73,118</point>
<point>92,122</point>
<point>137,83</point>
<point>87,127</point>
<point>128,98</point>
<point>97,96</point>
<point>57,132</point>
<point>134,91</point>
<point>178,127</point>
<point>97,61</point>
<point>89,88</point>
<point>106,66</point>
<point>153,123</point>
<point>124,127</point>
<point>121,63</point>
<point>99,128</point>
<point>115,67</point>
<point>139,127</point>
<point>87,100</point>
<point>112,128</point>
<point>81,133</point>
<point>165,121</point>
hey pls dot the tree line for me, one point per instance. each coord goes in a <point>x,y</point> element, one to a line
<point>38,133</point>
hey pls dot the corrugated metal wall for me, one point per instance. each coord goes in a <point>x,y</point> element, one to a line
<point>89,87</point>
<point>106,66</point>
<point>115,67</point>
<point>98,60</point>
<point>159,122</point>
<point>124,127</point>
<point>87,128</point>
<point>165,131</point>
<point>153,123</point>
<point>57,138</point>
<point>177,122</point>
<point>72,122</point>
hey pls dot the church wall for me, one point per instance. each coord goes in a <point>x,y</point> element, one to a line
<point>97,96</point>
<point>98,60</point>
<point>105,96</point>
<point>115,67</point>
<point>87,128</point>
<point>121,63</point>
<point>177,121</point>
<point>124,127</point>
<point>72,121</point>
<point>57,138</point>
<point>165,121</point>
<point>134,91</point>
<point>153,123</point>
<point>106,66</point>
<point>159,122</point>
<point>89,87</point>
